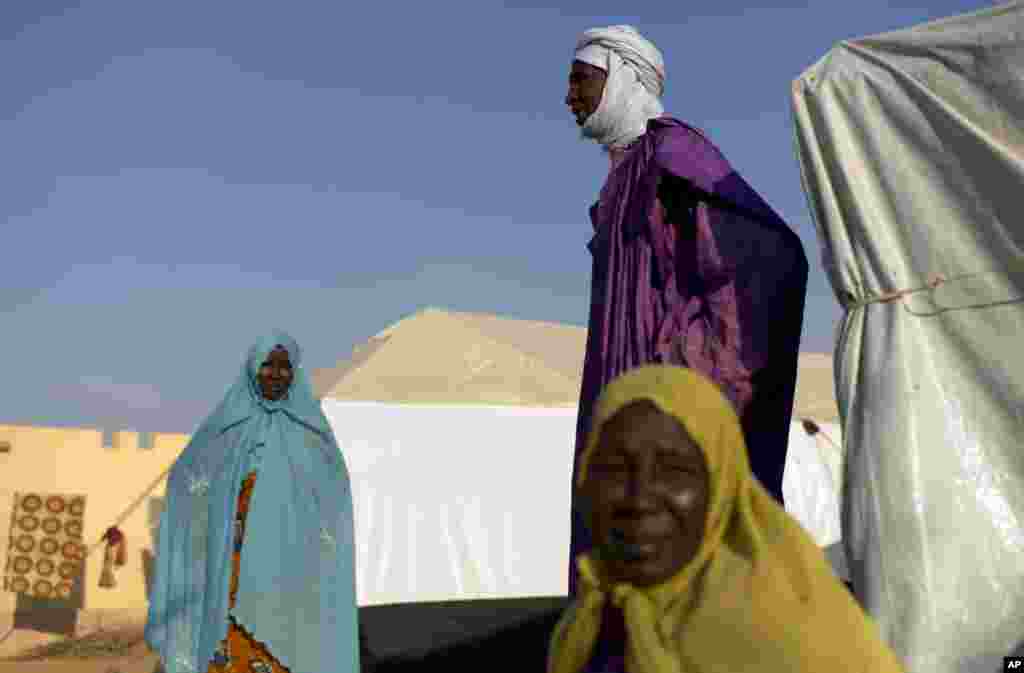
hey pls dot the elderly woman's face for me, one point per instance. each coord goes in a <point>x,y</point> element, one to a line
<point>647,487</point>
<point>275,374</point>
<point>586,86</point>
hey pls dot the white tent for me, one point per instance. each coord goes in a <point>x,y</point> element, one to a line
<point>811,482</point>
<point>471,502</point>
<point>461,459</point>
<point>912,151</point>
<point>457,502</point>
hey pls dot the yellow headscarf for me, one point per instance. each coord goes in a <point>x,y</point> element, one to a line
<point>759,594</point>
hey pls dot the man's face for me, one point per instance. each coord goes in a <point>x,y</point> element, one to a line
<point>647,484</point>
<point>586,86</point>
<point>275,374</point>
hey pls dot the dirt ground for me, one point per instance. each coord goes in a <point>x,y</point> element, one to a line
<point>122,651</point>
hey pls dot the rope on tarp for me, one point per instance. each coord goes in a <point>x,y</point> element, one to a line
<point>934,281</point>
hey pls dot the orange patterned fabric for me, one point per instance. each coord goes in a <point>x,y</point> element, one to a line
<point>241,652</point>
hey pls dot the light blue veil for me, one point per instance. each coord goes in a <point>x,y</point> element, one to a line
<point>296,590</point>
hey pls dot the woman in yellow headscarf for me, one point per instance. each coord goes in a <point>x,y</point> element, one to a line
<point>696,568</point>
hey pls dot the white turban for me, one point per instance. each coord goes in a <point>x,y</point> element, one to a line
<point>632,93</point>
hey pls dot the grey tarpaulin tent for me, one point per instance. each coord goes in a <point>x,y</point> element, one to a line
<point>911,145</point>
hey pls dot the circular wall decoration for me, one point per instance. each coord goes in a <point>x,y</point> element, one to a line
<point>19,585</point>
<point>51,526</point>
<point>70,550</point>
<point>25,544</point>
<point>22,565</point>
<point>77,507</point>
<point>55,504</point>
<point>31,502</point>
<point>28,522</point>
<point>49,545</point>
<point>44,567</point>
<point>68,570</point>
<point>73,528</point>
<point>43,588</point>
<point>64,590</point>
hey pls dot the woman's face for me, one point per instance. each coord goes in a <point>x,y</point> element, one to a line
<point>647,487</point>
<point>275,374</point>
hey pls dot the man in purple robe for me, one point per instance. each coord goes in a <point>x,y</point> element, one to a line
<point>690,265</point>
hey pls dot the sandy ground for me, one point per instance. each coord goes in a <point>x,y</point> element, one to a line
<point>397,638</point>
<point>121,651</point>
<point>144,664</point>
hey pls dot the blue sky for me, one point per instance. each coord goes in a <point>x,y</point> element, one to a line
<point>178,177</point>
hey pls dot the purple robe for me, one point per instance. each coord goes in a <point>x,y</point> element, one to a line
<point>716,282</point>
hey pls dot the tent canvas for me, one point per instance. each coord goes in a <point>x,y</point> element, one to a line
<point>912,155</point>
<point>811,481</point>
<point>478,358</point>
<point>470,502</point>
<point>461,462</point>
<point>457,502</point>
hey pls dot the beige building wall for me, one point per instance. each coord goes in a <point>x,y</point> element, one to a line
<point>70,461</point>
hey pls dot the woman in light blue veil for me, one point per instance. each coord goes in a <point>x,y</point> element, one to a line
<point>295,571</point>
